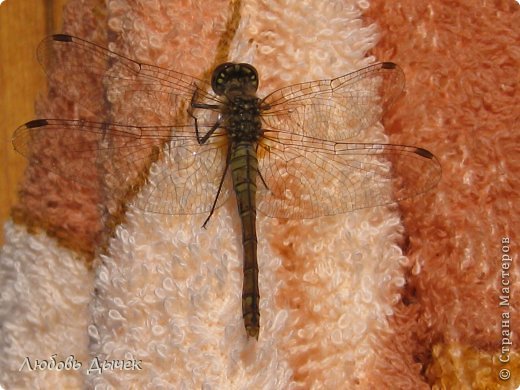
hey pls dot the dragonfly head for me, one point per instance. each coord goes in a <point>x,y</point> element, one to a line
<point>230,78</point>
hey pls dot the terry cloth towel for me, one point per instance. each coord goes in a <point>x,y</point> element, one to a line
<point>388,297</point>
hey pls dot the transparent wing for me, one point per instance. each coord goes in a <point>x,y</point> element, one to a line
<point>336,109</point>
<point>309,177</point>
<point>184,180</point>
<point>112,79</point>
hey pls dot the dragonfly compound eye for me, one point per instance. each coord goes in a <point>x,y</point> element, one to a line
<point>234,77</point>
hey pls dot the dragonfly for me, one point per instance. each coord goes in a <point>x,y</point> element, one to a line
<point>292,154</point>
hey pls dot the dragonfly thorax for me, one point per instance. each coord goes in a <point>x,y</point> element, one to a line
<point>242,118</point>
<point>237,84</point>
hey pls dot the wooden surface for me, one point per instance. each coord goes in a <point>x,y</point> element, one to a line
<point>22,25</point>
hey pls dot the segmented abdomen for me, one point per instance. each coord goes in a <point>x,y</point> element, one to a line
<point>244,170</point>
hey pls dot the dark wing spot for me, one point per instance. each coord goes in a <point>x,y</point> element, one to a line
<point>62,38</point>
<point>36,123</point>
<point>424,153</point>
<point>388,65</point>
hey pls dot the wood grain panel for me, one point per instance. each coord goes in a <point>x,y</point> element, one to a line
<point>22,25</point>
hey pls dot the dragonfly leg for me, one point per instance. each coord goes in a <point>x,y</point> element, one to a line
<point>194,104</point>
<point>262,178</point>
<point>202,140</point>
<point>219,189</point>
<point>260,174</point>
<point>208,134</point>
